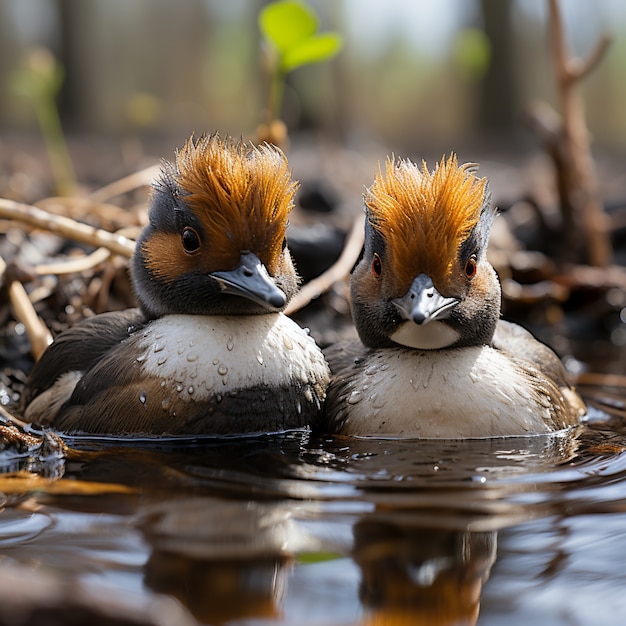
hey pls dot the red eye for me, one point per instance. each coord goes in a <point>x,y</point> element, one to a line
<point>377,266</point>
<point>470,267</point>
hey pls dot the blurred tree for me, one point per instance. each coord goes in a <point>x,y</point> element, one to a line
<point>499,98</point>
<point>69,98</point>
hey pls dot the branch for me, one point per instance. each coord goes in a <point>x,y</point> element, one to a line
<point>142,178</point>
<point>580,192</point>
<point>37,332</point>
<point>338,271</point>
<point>66,227</point>
<point>73,266</point>
<point>572,69</point>
<point>584,67</point>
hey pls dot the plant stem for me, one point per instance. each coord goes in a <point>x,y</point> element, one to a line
<point>277,89</point>
<point>60,161</point>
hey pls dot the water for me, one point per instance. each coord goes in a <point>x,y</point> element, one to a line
<point>295,529</point>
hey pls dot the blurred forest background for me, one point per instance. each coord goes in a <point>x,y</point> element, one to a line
<point>415,75</point>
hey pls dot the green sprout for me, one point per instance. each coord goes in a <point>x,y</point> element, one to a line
<point>291,29</point>
<point>39,80</point>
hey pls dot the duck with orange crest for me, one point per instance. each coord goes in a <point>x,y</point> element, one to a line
<point>435,359</point>
<point>209,351</point>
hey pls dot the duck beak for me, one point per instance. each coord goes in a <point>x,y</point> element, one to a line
<point>422,303</point>
<point>250,280</point>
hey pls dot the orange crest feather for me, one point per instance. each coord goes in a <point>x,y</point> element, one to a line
<point>242,194</point>
<point>423,216</point>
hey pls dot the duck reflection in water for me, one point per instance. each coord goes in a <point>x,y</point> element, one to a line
<point>233,561</point>
<point>224,561</point>
<point>413,576</point>
<point>220,591</point>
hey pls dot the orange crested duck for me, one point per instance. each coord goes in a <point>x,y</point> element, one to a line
<point>209,350</point>
<point>434,358</point>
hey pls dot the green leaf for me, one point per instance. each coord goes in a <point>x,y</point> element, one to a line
<point>312,50</point>
<point>286,23</point>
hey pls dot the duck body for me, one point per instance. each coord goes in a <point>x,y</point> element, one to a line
<point>193,374</point>
<point>434,359</point>
<point>478,391</point>
<point>209,350</point>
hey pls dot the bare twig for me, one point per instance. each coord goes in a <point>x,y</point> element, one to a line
<point>580,68</point>
<point>10,418</point>
<point>37,332</point>
<point>598,379</point>
<point>338,271</point>
<point>139,179</point>
<point>582,186</point>
<point>106,243</point>
<point>73,266</point>
<point>66,227</point>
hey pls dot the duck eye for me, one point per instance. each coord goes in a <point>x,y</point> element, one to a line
<point>470,267</point>
<point>377,265</point>
<point>191,240</point>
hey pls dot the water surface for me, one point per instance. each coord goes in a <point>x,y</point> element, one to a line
<point>296,529</point>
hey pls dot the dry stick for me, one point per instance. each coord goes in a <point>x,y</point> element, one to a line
<point>338,271</point>
<point>37,332</point>
<point>66,227</point>
<point>12,419</point>
<point>79,264</point>
<point>142,178</point>
<point>106,243</point>
<point>73,266</point>
<point>596,379</point>
<point>583,184</point>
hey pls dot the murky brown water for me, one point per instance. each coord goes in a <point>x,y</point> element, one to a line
<point>293,529</point>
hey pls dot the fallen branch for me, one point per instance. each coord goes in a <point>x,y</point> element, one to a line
<point>338,271</point>
<point>73,266</point>
<point>66,227</point>
<point>13,420</point>
<point>142,178</point>
<point>37,332</point>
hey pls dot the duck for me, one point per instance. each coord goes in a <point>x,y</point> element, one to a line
<point>208,351</point>
<point>433,358</point>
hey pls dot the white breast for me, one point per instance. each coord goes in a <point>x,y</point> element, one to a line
<point>209,355</point>
<point>431,336</point>
<point>470,392</point>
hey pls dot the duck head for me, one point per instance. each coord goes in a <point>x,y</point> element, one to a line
<point>215,242</point>
<point>424,281</point>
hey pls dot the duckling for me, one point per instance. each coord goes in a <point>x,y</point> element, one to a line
<point>434,358</point>
<point>209,350</point>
